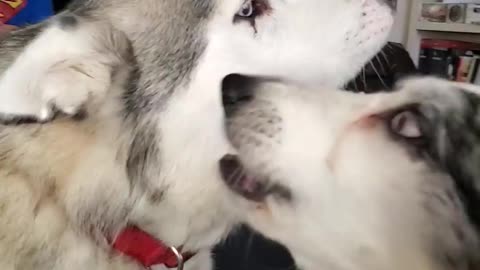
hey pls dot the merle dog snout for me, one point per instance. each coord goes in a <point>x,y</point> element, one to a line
<point>390,3</point>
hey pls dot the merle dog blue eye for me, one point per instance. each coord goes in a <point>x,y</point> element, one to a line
<point>405,124</point>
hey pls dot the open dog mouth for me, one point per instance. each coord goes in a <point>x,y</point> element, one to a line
<point>250,186</point>
<point>240,181</point>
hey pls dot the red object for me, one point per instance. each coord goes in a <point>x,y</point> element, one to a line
<point>145,249</point>
<point>449,44</point>
<point>9,8</point>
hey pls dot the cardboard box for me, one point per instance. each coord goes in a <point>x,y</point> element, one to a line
<point>472,14</point>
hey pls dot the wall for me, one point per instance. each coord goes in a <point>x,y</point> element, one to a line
<point>402,17</point>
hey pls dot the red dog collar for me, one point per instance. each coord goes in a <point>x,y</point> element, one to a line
<point>147,250</point>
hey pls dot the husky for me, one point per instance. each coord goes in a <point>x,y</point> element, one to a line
<point>384,181</point>
<point>113,124</point>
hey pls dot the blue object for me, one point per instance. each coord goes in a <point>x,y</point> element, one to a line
<point>35,11</point>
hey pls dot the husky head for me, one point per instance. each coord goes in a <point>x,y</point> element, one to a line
<point>314,41</point>
<point>321,42</point>
<point>183,51</point>
<point>346,181</point>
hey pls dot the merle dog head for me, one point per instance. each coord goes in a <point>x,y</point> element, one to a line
<point>345,181</point>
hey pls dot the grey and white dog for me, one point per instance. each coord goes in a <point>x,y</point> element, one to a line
<point>125,120</point>
<point>359,182</point>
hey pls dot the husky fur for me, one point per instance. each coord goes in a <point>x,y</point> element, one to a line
<point>112,116</point>
<point>360,182</point>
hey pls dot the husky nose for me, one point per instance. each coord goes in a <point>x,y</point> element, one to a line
<point>237,90</point>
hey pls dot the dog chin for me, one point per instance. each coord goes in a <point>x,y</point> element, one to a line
<point>356,182</point>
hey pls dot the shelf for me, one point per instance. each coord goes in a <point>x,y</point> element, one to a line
<point>449,27</point>
<point>458,36</point>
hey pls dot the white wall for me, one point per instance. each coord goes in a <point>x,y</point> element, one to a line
<point>402,17</point>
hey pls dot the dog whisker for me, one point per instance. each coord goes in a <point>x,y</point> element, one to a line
<point>364,80</point>
<point>378,74</point>
<point>248,246</point>
<point>385,57</point>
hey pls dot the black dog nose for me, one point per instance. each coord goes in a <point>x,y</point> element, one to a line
<point>237,90</point>
<point>391,3</point>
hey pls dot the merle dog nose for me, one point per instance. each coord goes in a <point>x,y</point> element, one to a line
<point>390,3</point>
<point>237,90</point>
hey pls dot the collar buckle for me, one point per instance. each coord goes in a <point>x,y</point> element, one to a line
<point>148,251</point>
<point>179,256</point>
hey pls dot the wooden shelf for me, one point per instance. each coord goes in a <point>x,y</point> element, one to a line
<point>418,30</point>
<point>449,27</point>
<point>458,36</point>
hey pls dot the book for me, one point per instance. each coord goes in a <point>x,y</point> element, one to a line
<point>473,68</point>
<point>457,61</point>
<point>463,68</point>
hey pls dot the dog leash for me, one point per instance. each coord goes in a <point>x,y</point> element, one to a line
<point>148,251</point>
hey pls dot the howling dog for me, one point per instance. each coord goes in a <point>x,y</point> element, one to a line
<point>386,181</point>
<point>113,124</point>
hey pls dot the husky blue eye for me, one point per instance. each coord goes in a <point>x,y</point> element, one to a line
<point>251,9</point>
<point>246,10</point>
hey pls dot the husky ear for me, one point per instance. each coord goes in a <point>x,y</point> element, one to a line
<point>64,67</point>
<point>61,88</point>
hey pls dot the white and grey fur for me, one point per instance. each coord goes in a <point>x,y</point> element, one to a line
<point>384,181</point>
<point>127,96</point>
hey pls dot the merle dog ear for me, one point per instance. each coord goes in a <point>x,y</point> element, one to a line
<point>455,144</point>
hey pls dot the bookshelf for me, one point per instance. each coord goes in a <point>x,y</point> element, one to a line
<point>448,27</point>
<point>421,30</point>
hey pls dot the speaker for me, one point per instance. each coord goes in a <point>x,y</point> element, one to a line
<point>456,13</point>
